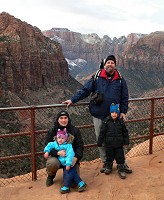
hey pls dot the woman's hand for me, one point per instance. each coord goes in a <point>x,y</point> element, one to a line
<point>61,153</point>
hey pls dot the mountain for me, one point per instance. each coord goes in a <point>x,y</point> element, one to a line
<point>140,57</point>
<point>33,71</point>
<point>34,65</point>
<point>33,68</point>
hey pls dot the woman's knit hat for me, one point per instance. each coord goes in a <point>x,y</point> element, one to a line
<point>110,57</point>
<point>62,113</point>
<point>62,133</point>
<point>115,108</point>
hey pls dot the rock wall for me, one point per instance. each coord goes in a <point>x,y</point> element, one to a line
<point>135,47</point>
<point>140,57</point>
<point>28,59</point>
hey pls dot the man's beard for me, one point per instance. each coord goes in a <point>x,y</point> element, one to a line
<point>109,70</point>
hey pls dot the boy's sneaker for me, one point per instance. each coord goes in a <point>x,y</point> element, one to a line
<point>108,171</point>
<point>127,169</point>
<point>64,190</point>
<point>122,174</point>
<point>82,185</point>
<point>49,180</point>
<point>121,171</point>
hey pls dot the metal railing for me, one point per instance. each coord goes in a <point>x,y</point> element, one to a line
<point>23,131</point>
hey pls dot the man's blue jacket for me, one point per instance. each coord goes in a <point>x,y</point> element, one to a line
<point>114,91</point>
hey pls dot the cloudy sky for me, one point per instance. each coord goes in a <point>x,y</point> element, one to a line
<point>114,18</point>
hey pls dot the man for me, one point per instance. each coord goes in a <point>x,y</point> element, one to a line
<point>109,87</point>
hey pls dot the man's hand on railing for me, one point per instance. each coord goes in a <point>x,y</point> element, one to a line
<point>123,116</point>
<point>68,102</point>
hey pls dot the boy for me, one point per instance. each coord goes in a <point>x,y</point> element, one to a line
<point>114,135</point>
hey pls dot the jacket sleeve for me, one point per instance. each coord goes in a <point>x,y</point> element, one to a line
<point>50,138</point>
<point>124,97</point>
<point>48,147</point>
<point>69,155</point>
<point>125,134</point>
<point>84,92</point>
<point>78,144</point>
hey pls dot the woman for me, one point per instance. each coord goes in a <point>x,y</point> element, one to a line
<point>53,164</point>
<point>63,141</point>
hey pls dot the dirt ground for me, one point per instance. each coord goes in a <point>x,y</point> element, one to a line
<point>145,183</point>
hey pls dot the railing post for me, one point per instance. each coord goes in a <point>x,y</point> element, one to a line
<point>151,127</point>
<point>33,156</point>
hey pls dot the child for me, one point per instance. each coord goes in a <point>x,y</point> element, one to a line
<point>114,135</point>
<point>63,142</point>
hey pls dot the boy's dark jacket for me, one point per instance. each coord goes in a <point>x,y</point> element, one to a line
<point>113,133</point>
<point>78,144</point>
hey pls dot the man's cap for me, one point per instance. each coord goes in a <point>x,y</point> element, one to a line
<point>111,57</point>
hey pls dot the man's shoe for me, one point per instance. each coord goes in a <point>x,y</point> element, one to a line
<point>108,171</point>
<point>49,180</point>
<point>102,170</point>
<point>127,169</point>
<point>108,168</point>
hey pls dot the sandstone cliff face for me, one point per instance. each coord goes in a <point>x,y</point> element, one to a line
<point>140,57</point>
<point>28,59</point>
<point>76,45</point>
<point>91,47</point>
<point>144,63</point>
<point>147,53</point>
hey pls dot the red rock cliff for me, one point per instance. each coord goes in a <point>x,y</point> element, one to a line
<point>28,59</point>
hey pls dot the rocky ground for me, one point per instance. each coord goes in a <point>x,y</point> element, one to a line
<point>145,183</point>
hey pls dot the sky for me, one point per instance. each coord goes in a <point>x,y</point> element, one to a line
<point>114,18</point>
